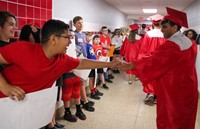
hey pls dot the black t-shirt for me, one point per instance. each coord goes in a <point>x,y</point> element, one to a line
<point>2,44</point>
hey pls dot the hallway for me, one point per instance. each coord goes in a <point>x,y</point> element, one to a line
<point>121,107</point>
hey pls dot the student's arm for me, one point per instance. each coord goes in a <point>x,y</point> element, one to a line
<point>92,64</point>
<point>7,89</point>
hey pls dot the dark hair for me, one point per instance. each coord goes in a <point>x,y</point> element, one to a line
<point>26,31</point>
<point>194,34</point>
<point>104,27</point>
<point>164,21</point>
<point>51,27</point>
<point>96,36</point>
<point>77,18</point>
<point>4,15</point>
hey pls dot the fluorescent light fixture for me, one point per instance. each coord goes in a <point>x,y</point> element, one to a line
<point>149,10</point>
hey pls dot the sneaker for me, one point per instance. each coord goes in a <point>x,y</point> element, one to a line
<point>91,103</point>
<point>110,76</point>
<point>105,87</point>
<point>59,126</point>
<point>136,79</point>
<point>88,107</point>
<point>69,117</point>
<point>99,93</point>
<point>108,80</point>
<point>94,96</point>
<point>129,82</point>
<point>149,100</point>
<point>81,115</point>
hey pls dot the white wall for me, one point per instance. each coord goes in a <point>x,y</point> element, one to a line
<point>95,13</point>
<point>193,14</point>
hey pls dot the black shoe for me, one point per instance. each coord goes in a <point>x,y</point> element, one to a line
<point>117,71</point>
<point>105,87</point>
<point>47,127</point>
<point>110,76</point>
<point>99,93</point>
<point>91,103</point>
<point>58,125</point>
<point>108,80</point>
<point>94,96</point>
<point>69,117</point>
<point>88,107</point>
<point>81,115</point>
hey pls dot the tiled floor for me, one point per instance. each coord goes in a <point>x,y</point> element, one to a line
<point>121,107</point>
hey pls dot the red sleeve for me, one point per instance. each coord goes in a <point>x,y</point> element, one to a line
<point>154,66</point>
<point>8,52</point>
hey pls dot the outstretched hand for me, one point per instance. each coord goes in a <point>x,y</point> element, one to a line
<point>122,65</point>
<point>13,92</point>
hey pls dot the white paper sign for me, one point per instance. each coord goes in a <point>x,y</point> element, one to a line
<point>198,66</point>
<point>34,112</point>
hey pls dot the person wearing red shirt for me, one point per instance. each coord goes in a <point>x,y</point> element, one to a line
<point>172,68</point>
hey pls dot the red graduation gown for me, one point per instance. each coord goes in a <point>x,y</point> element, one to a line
<point>152,40</point>
<point>173,71</point>
<point>130,51</point>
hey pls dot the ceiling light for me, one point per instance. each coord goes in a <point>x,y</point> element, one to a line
<point>149,10</point>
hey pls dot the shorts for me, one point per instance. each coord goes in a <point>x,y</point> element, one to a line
<point>100,70</point>
<point>92,73</point>
<point>71,88</point>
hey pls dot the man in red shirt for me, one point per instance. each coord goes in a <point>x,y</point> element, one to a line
<point>34,67</point>
<point>172,69</point>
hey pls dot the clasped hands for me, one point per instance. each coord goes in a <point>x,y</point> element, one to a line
<point>121,64</point>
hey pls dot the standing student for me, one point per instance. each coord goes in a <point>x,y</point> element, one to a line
<point>95,93</point>
<point>7,29</point>
<point>97,47</point>
<point>172,68</point>
<point>151,41</point>
<point>130,48</point>
<point>80,40</point>
<point>31,34</point>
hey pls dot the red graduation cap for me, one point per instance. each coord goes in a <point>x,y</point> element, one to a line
<point>177,17</point>
<point>134,27</point>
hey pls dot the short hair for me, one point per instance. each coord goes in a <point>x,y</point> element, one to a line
<point>88,33</point>
<point>171,23</point>
<point>96,36</point>
<point>4,15</point>
<point>51,27</point>
<point>104,27</point>
<point>77,18</point>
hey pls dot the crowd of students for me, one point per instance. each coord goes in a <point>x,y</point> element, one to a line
<point>153,57</point>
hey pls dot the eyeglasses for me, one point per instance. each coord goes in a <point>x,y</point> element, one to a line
<point>67,37</point>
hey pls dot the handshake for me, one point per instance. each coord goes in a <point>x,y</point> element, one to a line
<point>121,64</point>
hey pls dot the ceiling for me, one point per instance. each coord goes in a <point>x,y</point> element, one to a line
<point>133,8</point>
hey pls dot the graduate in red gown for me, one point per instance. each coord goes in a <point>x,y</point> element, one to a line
<point>172,68</point>
<point>151,41</point>
<point>130,48</point>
